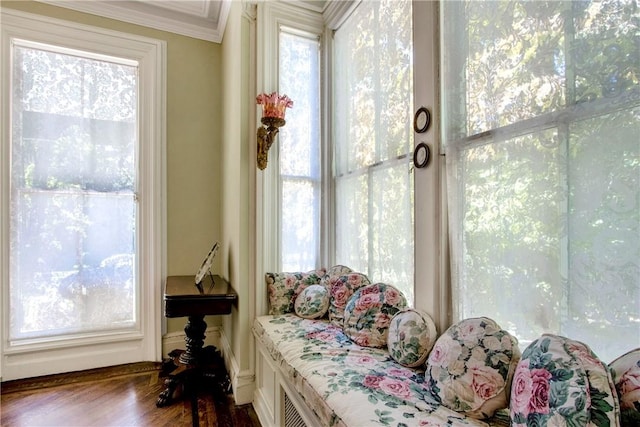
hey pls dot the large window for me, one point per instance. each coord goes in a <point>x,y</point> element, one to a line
<point>372,117</point>
<point>73,181</point>
<point>81,167</point>
<point>541,124</point>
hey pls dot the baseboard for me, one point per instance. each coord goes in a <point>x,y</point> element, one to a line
<point>242,382</point>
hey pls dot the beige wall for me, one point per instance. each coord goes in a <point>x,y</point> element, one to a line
<point>194,140</point>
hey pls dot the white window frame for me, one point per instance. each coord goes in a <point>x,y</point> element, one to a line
<point>41,358</point>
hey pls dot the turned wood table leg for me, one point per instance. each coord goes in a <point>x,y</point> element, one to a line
<point>194,339</point>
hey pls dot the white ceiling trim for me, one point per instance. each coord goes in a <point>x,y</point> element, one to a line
<point>205,20</point>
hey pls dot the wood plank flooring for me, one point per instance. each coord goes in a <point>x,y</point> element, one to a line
<point>118,396</point>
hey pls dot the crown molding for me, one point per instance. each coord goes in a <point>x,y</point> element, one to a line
<point>205,20</point>
<point>336,12</point>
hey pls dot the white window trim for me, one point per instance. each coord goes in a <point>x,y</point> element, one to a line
<point>143,344</point>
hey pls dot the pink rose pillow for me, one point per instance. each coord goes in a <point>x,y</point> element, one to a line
<point>470,367</point>
<point>341,288</point>
<point>368,313</point>
<point>561,382</point>
<point>626,376</point>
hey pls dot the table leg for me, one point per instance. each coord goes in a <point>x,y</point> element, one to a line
<point>194,339</point>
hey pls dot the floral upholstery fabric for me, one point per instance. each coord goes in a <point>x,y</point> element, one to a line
<point>368,313</point>
<point>471,365</point>
<point>626,377</point>
<point>559,381</point>
<point>341,288</point>
<point>349,385</point>
<point>313,302</point>
<point>412,335</point>
<point>337,270</point>
<point>284,288</point>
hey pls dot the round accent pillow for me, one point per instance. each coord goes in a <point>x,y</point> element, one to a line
<point>341,288</point>
<point>411,337</point>
<point>626,377</point>
<point>470,367</point>
<point>560,381</point>
<point>369,311</point>
<point>313,302</point>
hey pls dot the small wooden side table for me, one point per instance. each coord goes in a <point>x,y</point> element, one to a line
<point>183,299</point>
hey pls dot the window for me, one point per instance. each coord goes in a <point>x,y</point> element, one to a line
<point>300,153</point>
<point>372,117</point>
<point>541,123</point>
<point>345,197</point>
<point>81,162</point>
<point>73,180</point>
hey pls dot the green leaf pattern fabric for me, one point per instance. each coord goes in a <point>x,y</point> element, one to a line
<point>313,302</point>
<point>471,365</point>
<point>412,334</point>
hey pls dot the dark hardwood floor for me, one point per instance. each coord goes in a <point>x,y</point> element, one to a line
<point>118,396</point>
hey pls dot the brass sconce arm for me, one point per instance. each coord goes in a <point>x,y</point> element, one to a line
<point>266,134</point>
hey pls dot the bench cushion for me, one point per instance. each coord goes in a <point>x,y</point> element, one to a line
<point>349,385</point>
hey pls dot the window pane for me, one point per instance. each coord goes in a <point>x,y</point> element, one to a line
<point>373,137</point>
<point>604,232</point>
<point>73,212</point>
<point>512,204</point>
<point>299,225</point>
<point>352,224</point>
<point>543,155</point>
<point>300,152</point>
<point>373,91</point>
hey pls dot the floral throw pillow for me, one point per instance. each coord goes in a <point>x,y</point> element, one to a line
<point>412,334</point>
<point>470,367</point>
<point>313,302</point>
<point>369,311</point>
<point>626,376</point>
<point>341,288</point>
<point>336,270</point>
<point>560,381</point>
<point>284,288</point>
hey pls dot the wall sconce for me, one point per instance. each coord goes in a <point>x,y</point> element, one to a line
<point>273,109</point>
